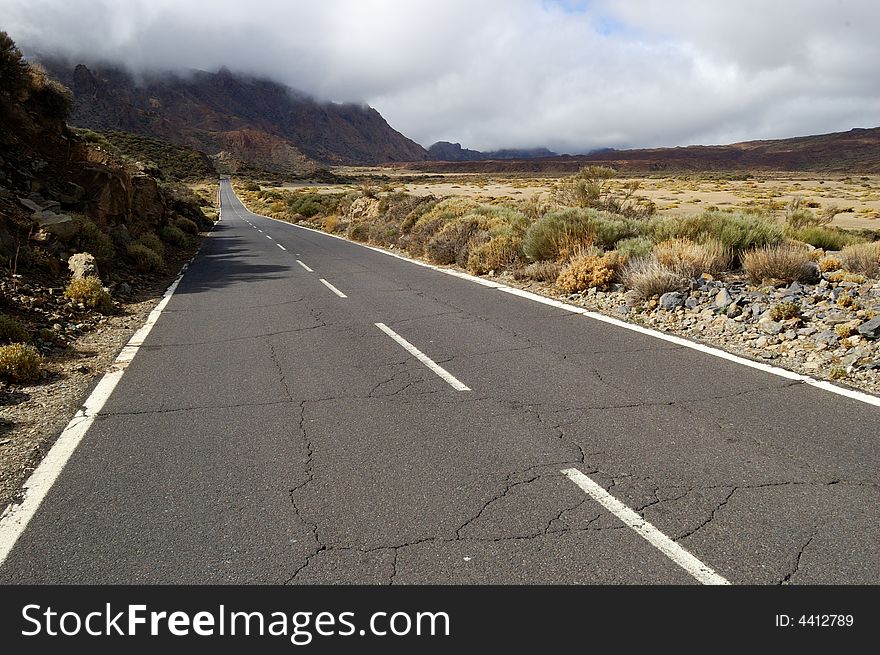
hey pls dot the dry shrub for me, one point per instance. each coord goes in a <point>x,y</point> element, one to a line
<point>90,292</point>
<point>648,277</point>
<point>545,271</point>
<point>446,246</point>
<point>862,258</point>
<point>828,264</point>
<point>691,259</point>
<point>330,222</point>
<point>359,232</point>
<point>588,271</point>
<point>499,253</point>
<point>786,262</point>
<point>20,363</point>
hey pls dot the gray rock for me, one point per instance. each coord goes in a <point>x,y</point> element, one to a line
<point>871,329</point>
<point>61,225</point>
<point>692,303</point>
<point>30,204</point>
<point>723,298</point>
<point>671,301</point>
<point>769,326</point>
<point>82,265</point>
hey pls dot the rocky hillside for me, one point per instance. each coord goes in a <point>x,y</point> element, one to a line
<point>856,151</point>
<point>61,196</point>
<point>239,120</point>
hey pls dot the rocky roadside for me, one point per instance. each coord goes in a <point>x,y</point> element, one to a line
<point>78,346</point>
<point>828,330</point>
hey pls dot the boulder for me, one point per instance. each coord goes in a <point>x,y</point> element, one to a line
<point>769,326</point>
<point>61,225</point>
<point>723,298</point>
<point>671,301</point>
<point>82,265</point>
<point>870,329</point>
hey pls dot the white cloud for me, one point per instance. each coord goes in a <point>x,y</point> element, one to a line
<point>570,75</point>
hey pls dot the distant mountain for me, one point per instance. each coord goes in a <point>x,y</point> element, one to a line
<point>446,151</point>
<point>856,151</point>
<point>240,121</point>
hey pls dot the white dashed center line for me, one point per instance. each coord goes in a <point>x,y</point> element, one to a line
<point>280,246</point>
<point>304,266</point>
<point>454,382</point>
<point>333,289</point>
<point>702,572</point>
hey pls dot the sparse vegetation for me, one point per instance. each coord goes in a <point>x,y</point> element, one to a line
<point>91,239</point>
<point>689,259</point>
<point>186,225</point>
<point>650,278</point>
<point>785,263</point>
<point>145,259</point>
<point>862,258</point>
<point>12,331</point>
<point>20,362</point>
<point>785,311</point>
<point>589,271</point>
<point>173,235</point>
<point>90,292</point>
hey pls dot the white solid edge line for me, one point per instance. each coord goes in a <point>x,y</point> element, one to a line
<point>332,288</point>
<point>702,572</point>
<point>454,382</point>
<point>304,266</point>
<point>280,246</point>
<point>824,385</point>
<point>16,517</point>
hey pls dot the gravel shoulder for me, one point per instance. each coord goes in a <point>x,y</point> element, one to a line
<point>33,416</point>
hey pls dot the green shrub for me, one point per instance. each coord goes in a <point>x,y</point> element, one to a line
<point>173,235</point>
<point>187,225</point>
<point>736,232</point>
<point>826,238</point>
<point>89,238</point>
<point>550,236</point>
<point>152,242</point>
<point>635,247</point>
<point>90,292</point>
<point>20,363</point>
<point>145,259</point>
<point>12,331</point>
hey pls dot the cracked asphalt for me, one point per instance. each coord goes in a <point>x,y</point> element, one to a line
<point>268,432</point>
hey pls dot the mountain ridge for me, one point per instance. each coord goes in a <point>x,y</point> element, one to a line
<point>856,150</point>
<point>239,120</point>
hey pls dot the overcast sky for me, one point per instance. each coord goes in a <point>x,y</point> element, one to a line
<point>567,74</point>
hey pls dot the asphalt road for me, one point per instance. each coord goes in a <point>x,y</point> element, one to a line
<point>269,432</point>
